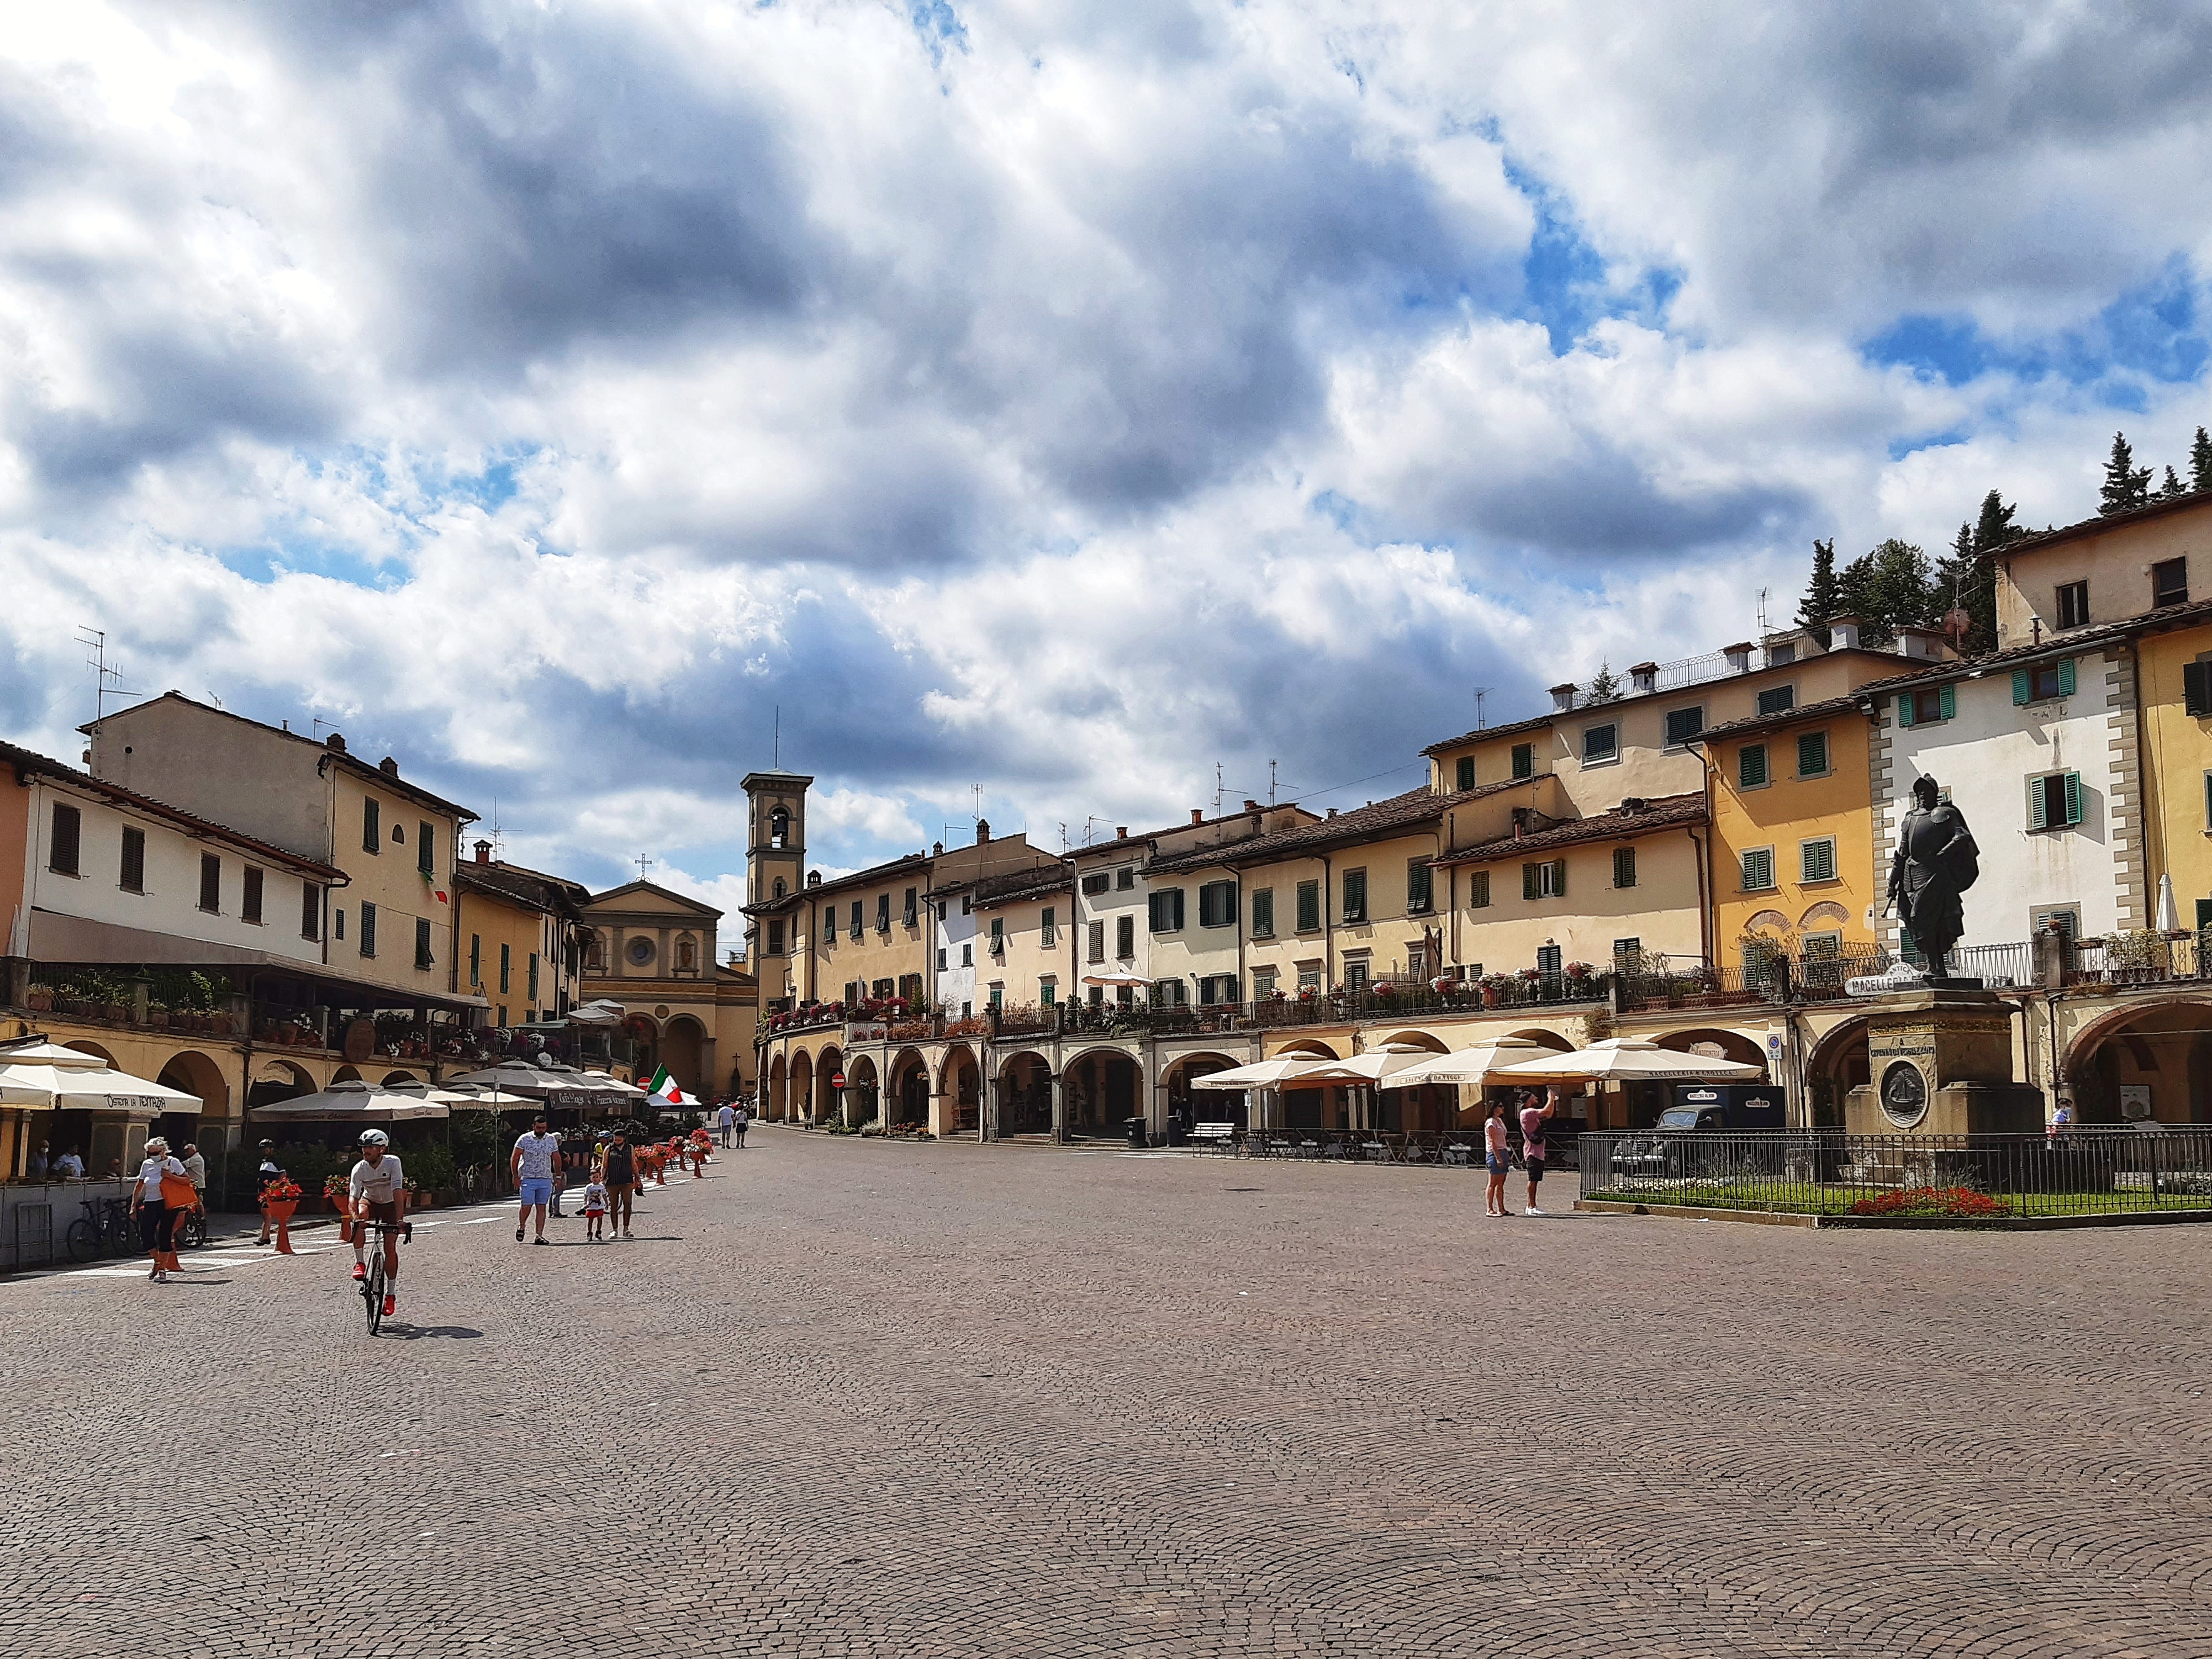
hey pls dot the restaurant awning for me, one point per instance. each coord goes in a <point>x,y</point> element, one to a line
<point>1627,1060</point>
<point>549,1085</point>
<point>47,1075</point>
<point>357,1102</point>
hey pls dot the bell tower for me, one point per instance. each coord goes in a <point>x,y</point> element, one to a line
<point>775,859</point>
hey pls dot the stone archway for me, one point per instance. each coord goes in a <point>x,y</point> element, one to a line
<point>907,1098</point>
<point>1716,1041</point>
<point>198,1074</point>
<point>1102,1088</point>
<point>1025,1094</point>
<point>392,1077</point>
<point>800,1100</point>
<point>863,1089</point>
<point>829,1100</point>
<point>1836,1065</point>
<point>2154,1058</point>
<point>961,1084</point>
<point>684,1051</point>
<point>1202,1105</point>
<point>776,1105</point>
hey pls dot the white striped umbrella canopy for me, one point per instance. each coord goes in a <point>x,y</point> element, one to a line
<point>1628,1060</point>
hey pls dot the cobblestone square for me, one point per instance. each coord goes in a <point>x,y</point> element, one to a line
<point>856,1398</point>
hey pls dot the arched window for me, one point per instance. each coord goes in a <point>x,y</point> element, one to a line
<point>779,887</point>
<point>779,827</point>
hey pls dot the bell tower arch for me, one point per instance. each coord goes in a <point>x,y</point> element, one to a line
<point>776,859</point>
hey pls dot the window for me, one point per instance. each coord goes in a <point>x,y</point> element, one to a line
<point>775,939</point>
<point>1310,979</point>
<point>909,986</point>
<point>1525,760</point>
<point>62,845</point>
<point>426,849</point>
<point>779,827</point>
<point>2065,920</point>
<point>1125,937</point>
<point>311,910</point>
<point>1478,889</point>
<point>852,992</point>
<point>2042,681</point>
<point>502,1016</point>
<point>1169,993</point>
<point>1097,883</point>
<point>1624,866</point>
<point>1682,724</point>
<point>533,967</point>
<point>883,913</point>
<point>940,959</point>
<point>2203,914</point>
<point>1263,984</point>
<point>2074,604</point>
<point>1464,773</point>
<point>210,883</point>
<point>1047,929</point>
<point>943,909</point>
<point>1759,870</point>
<point>1125,878</point>
<point>2196,687</point>
<point>1816,859</point>
<point>1549,958</point>
<point>1047,993</point>
<point>249,904</point>
<point>1263,913</point>
<point>133,874</point>
<point>2054,800</point>
<point>1628,947</point>
<point>910,909</point>
<point>422,941</point>
<point>1165,906</point>
<point>372,839</point>
<point>1355,896</point>
<point>1545,880</point>
<point>337,923</point>
<point>1927,705</point>
<point>1600,743</point>
<point>2169,582</point>
<point>1356,975</point>
<point>859,923</point>
<point>998,936</point>
<point>967,904</point>
<point>1214,989</point>
<point>1309,906</point>
<point>476,958</point>
<point>998,996</point>
<point>1777,699</point>
<point>1094,946</point>
<point>506,969</point>
<point>1216,904</point>
<point>368,929</point>
<point>639,949</point>
<point>1751,766</point>
<point>967,954</point>
<point>1812,754</point>
<point>1420,888</point>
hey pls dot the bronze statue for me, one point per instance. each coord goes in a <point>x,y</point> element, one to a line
<point>1936,861</point>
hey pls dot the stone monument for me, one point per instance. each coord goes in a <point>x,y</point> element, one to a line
<point>1939,1048</point>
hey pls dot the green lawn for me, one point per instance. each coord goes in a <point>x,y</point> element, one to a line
<point>1811,1198</point>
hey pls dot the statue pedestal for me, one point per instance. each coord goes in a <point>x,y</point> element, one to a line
<point>1940,1059</point>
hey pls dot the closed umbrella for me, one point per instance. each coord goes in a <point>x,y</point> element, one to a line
<point>2169,914</point>
<point>1626,1060</point>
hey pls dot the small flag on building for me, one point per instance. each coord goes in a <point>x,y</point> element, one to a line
<point>664,1088</point>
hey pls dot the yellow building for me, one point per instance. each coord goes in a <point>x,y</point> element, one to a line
<point>1023,942</point>
<point>1793,866</point>
<point>518,939</point>
<point>653,951</point>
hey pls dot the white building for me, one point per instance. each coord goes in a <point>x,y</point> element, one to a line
<point>952,943</point>
<point>2036,747</point>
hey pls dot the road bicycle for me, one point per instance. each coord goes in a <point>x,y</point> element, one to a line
<point>189,1230</point>
<point>103,1229</point>
<point>371,1287</point>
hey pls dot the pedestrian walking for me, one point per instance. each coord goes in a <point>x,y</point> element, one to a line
<point>196,1172</point>
<point>270,1172</point>
<point>1532,1139</point>
<point>595,1210</point>
<point>726,1119</point>
<point>744,1117</point>
<point>536,1156</point>
<point>560,1175</point>
<point>620,1183</point>
<point>162,1190</point>
<point>2062,1125</point>
<point>1497,1157</point>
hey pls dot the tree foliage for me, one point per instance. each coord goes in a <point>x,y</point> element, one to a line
<point>1890,587</point>
<point>2200,461</point>
<point>1823,598</point>
<point>2126,485</point>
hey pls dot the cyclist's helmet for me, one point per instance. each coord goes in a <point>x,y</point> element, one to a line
<point>374,1138</point>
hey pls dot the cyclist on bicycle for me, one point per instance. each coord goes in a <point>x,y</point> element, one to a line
<point>379,1194</point>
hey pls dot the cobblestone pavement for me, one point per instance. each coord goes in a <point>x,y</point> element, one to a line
<point>850,1399</point>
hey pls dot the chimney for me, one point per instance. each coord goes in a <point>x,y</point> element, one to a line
<point>484,852</point>
<point>1644,676</point>
<point>1121,832</point>
<point>1332,811</point>
<point>334,743</point>
<point>389,766</point>
<point>1520,822</point>
<point>1632,804</point>
<point>1563,698</point>
<point>982,830</point>
<point>937,849</point>
<point>1843,633</point>
<point>1251,806</point>
<point>1738,657</point>
<point>1924,644</point>
<point>1198,815</point>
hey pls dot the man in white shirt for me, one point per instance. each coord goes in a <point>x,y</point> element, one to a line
<point>379,1191</point>
<point>70,1166</point>
<point>536,1156</point>
<point>196,1172</point>
<point>725,1119</point>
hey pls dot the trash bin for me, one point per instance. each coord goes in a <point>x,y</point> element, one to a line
<point>1178,1131</point>
<point>1135,1126</point>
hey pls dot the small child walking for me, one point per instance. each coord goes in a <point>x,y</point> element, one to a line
<point>595,1208</point>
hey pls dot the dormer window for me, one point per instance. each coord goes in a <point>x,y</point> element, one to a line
<point>2074,604</point>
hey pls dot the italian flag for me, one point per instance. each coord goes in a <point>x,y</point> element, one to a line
<point>664,1088</point>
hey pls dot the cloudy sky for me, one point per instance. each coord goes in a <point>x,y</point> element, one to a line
<point>1056,398</point>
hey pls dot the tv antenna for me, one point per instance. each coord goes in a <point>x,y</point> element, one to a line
<point>1271,783</point>
<point>1480,692</point>
<point>1762,615</point>
<point>106,681</point>
<point>775,752</point>
<point>1216,789</point>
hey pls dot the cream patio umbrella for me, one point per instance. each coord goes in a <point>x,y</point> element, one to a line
<point>1627,1060</point>
<point>355,1102</point>
<point>46,1074</point>
<point>1472,1064</point>
<point>546,1085</point>
<point>1375,1067</point>
<point>1263,1078</point>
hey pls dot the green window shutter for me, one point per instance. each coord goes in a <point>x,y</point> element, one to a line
<point>2203,914</point>
<point>1525,760</point>
<point>1946,702</point>
<point>1478,889</point>
<point>1812,754</point>
<point>1558,878</point>
<point>2072,797</point>
<point>1624,866</point>
<point>2066,678</point>
<point>533,976</point>
<point>2196,688</point>
<point>1759,870</point>
<point>506,966</point>
<point>2036,820</point>
<point>1817,862</point>
<point>1529,882</point>
<point>426,848</point>
<point>2022,690</point>
<point>1904,708</point>
<point>1751,766</point>
<point>1467,771</point>
<point>476,958</point>
<point>1309,906</point>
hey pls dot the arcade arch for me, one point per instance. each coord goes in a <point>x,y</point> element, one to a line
<point>1025,1094</point>
<point>1103,1088</point>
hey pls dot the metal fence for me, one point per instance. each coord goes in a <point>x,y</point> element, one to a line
<point>1933,1177</point>
<point>1445,1148</point>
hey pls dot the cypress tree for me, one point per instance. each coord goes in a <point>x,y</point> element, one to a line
<point>2126,487</point>
<point>2171,487</point>
<point>2200,461</point>
<point>1888,588</point>
<point>1824,597</point>
<point>1994,527</point>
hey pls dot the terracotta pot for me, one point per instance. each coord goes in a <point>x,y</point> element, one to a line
<point>281,1212</point>
<point>43,1004</point>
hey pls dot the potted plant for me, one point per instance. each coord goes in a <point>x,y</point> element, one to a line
<point>280,1201</point>
<point>41,998</point>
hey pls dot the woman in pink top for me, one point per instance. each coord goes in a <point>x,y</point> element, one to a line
<point>1496,1158</point>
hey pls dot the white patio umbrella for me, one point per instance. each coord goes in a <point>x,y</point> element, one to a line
<point>2169,914</point>
<point>550,1086</point>
<point>354,1102</point>
<point>1471,1065</point>
<point>1261,1074</point>
<point>46,1075</point>
<point>1378,1066</point>
<point>1133,982</point>
<point>605,1011</point>
<point>1626,1060</point>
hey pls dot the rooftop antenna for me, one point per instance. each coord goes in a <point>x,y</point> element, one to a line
<point>1271,783</point>
<point>978,789</point>
<point>498,839</point>
<point>1762,613</point>
<point>775,754</point>
<point>319,724</point>
<point>1216,789</point>
<point>1063,836</point>
<point>1089,818</point>
<point>1480,692</point>
<point>106,681</point>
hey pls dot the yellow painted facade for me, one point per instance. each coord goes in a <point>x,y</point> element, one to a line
<point>1496,927</point>
<point>1031,966</point>
<point>2176,763</point>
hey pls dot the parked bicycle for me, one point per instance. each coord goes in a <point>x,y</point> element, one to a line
<point>189,1230</point>
<point>103,1229</point>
